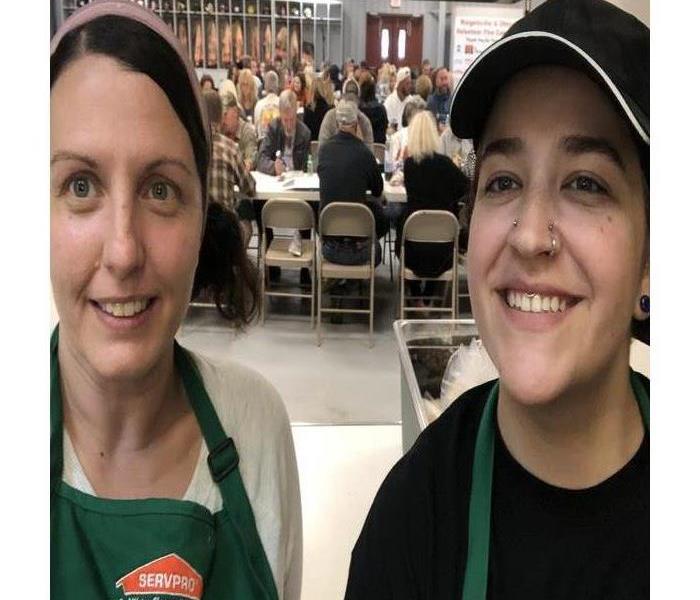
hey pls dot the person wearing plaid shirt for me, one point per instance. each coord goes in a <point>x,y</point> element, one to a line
<point>227,170</point>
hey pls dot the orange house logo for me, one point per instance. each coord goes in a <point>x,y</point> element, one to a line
<point>168,575</point>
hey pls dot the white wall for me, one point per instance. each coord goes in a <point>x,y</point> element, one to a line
<point>639,8</point>
<point>355,23</point>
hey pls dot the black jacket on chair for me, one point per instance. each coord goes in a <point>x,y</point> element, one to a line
<point>274,141</point>
<point>435,183</point>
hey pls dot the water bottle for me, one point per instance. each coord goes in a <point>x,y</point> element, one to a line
<point>388,162</point>
<point>310,164</point>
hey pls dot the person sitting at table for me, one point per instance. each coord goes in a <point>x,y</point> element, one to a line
<point>247,94</point>
<point>372,108</point>
<point>267,108</point>
<point>433,182</point>
<point>227,170</point>
<point>329,126</point>
<point>285,148</point>
<point>346,170</point>
<point>286,144</point>
<point>321,101</point>
<point>240,131</point>
<point>398,141</point>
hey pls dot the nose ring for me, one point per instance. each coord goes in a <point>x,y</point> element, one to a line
<point>554,242</point>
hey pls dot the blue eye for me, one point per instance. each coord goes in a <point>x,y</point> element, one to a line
<point>81,187</point>
<point>583,183</point>
<point>502,183</point>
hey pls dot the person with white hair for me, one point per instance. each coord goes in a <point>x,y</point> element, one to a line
<point>396,101</point>
<point>285,148</point>
<point>267,109</point>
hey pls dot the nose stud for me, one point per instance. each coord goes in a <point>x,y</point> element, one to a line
<point>554,241</point>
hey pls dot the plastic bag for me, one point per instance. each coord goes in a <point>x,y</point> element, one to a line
<point>468,367</point>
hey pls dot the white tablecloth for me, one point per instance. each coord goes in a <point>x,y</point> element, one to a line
<point>304,186</point>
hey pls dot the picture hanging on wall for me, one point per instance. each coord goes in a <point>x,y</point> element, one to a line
<point>253,40</point>
<point>281,44</point>
<point>212,42</point>
<point>226,41</point>
<point>294,49</point>
<point>266,55</point>
<point>197,43</point>
<point>182,31</point>
<point>238,50</point>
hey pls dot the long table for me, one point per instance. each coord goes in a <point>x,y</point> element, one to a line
<point>304,186</point>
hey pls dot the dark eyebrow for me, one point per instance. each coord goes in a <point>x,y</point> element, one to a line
<point>63,155</point>
<point>507,146</point>
<point>154,164</point>
<point>582,144</point>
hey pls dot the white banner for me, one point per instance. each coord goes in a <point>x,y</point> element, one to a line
<point>474,28</point>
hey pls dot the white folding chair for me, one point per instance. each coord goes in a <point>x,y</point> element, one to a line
<point>290,214</point>
<point>429,226</point>
<point>345,219</point>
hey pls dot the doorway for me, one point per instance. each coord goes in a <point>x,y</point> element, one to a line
<point>397,39</point>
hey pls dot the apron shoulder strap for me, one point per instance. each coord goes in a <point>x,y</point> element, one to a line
<point>56,447</point>
<point>223,465</point>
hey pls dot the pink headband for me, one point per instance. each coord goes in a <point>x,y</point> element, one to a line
<point>131,10</point>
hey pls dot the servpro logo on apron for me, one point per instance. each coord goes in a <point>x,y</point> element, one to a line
<point>169,576</point>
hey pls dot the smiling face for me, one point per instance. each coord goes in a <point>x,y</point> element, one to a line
<point>126,217</point>
<point>555,149</point>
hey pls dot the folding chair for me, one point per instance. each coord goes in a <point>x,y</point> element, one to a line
<point>345,219</point>
<point>429,226</point>
<point>291,214</point>
<point>462,276</point>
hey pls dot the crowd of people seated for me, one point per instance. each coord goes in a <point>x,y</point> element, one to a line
<point>269,115</point>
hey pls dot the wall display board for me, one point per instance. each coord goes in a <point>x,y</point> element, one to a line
<point>219,32</point>
<point>474,28</point>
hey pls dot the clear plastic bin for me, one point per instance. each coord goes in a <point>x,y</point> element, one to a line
<point>425,346</point>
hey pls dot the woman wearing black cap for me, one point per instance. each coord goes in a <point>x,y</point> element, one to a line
<point>537,485</point>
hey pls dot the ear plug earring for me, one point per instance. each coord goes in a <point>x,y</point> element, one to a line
<point>644,303</point>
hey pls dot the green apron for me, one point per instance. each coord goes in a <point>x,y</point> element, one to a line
<point>476,571</point>
<point>156,549</point>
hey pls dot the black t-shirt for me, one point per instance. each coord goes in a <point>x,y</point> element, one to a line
<point>546,542</point>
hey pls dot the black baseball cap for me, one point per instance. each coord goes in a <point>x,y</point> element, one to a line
<point>608,44</point>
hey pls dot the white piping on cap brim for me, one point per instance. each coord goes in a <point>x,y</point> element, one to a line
<point>593,63</point>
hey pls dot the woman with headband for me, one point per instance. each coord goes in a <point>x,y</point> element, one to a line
<point>172,476</point>
<point>537,485</point>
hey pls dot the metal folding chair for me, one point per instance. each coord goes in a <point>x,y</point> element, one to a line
<point>345,219</point>
<point>290,214</point>
<point>429,226</point>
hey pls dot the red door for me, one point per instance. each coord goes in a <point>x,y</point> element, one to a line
<point>397,39</point>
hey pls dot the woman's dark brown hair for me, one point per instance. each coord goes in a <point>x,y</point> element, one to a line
<point>224,268</point>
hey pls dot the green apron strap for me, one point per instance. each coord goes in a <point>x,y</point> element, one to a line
<point>477,568</point>
<point>223,465</point>
<point>56,447</point>
<point>642,397</point>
